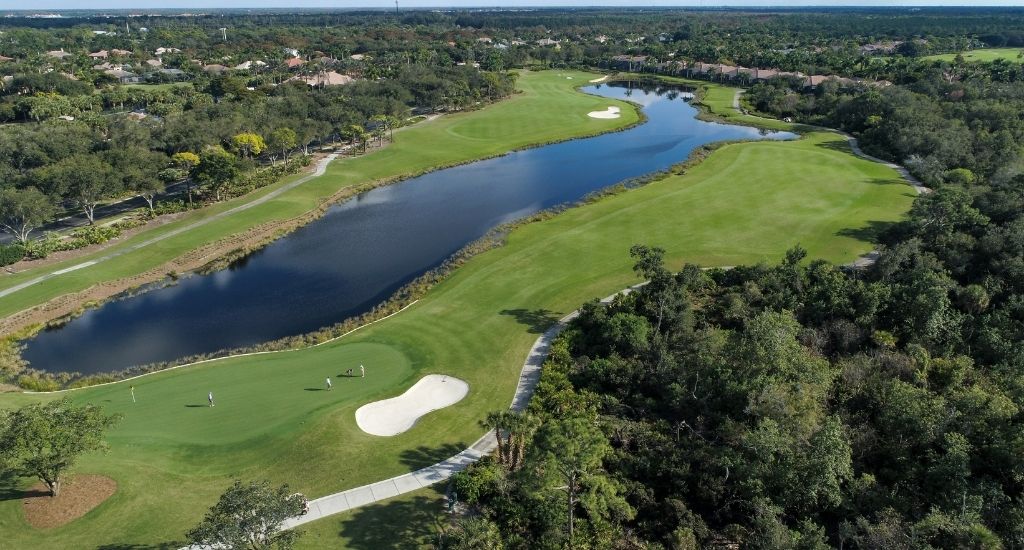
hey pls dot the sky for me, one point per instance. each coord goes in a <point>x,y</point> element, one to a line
<point>199,4</point>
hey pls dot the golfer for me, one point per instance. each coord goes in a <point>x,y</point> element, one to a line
<point>362,371</point>
<point>210,398</point>
<point>328,383</point>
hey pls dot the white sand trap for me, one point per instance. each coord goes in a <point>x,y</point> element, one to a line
<point>398,414</point>
<point>611,112</point>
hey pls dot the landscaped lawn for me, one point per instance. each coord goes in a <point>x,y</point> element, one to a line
<point>172,456</point>
<point>548,108</point>
<point>984,54</point>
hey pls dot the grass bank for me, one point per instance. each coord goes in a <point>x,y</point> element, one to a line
<point>172,455</point>
<point>983,55</point>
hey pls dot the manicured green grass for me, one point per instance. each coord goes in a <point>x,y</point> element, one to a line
<point>984,55</point>
<point>746,203</point>
<point>398,523</point>
<point>548,109</point>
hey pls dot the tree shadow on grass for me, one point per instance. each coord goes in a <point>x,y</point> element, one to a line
<point>536,320</point>
<point>10,488</point>
<point>129,546</point>
<point>840,145</point>
<point>873,232</point>
<point>398,524</point>
<point>424,456</point>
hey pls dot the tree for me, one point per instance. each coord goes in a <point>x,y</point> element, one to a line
<point>186,162</point>
<point>216,169</point>
<point>470,534</point>
<point>574,448</point>
<point>283,140</point>
<point>357,134</point>
<point>23,210</point>
<point>91,181</point>
<point>45,439</point>
<point>249,515</point>
<point>248,144</point>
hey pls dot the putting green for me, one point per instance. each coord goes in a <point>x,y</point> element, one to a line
<point>746,203</point>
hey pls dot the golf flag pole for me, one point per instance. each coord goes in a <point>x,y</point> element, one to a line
<point>133,393</point>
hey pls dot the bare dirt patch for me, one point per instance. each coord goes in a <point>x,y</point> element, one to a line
<point>78,495</point>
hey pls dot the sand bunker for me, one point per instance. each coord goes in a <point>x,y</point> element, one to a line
<point>398,414</point>
<point>611,112</point>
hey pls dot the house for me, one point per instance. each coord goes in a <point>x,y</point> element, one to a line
<point>214,68</point>
<point>357,57</point>
<point>814,81</point>
<point>547,42</point>
<point>120,53</point>
<point>601,39</point>
<point>765,74</point>
<point>291,51</point>
<point>4,59</point>
<point>154,62</point>
<point>123,76</point>
<point>330,78</point>
<point>105,67</point>
<point>102,54</point>
<point>247,65</point>
<point>294,63</point>
<point>629,62</point>
<point>174,74</point>
<point>58,54</point>
<point>485,40</point>
<point>160,51</point>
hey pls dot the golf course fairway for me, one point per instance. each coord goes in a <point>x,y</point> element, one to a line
<point>172,456</point>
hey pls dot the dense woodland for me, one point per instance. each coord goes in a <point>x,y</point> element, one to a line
<point>788,406</point>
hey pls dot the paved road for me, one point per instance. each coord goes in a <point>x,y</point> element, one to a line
<point>102,212</point>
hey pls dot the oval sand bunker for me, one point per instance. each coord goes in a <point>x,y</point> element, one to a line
<point>397,414</point>
<point>611,112</point>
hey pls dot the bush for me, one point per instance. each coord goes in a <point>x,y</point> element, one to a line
<point>169,207</point>
<point>11,254</point>
<point>42,248</point>
<point>34,382</point>
<point>93,234</point>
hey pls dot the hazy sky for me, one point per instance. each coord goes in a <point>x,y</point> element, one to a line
<point>199,4</point>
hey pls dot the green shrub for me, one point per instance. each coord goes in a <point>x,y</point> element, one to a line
<point>34,382</point>
<point>41,248</point>
<point>11,254</point>
<point>93,234</point>
<point>169,207</point>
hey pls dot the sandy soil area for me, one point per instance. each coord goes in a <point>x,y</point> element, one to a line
<point>398,414</point>
<point>610,112</point>
<point>77,496</point>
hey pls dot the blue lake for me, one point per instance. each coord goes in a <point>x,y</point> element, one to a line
<point>365,249</point>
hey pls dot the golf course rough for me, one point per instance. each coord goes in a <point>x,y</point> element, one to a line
<point>745,203</point>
